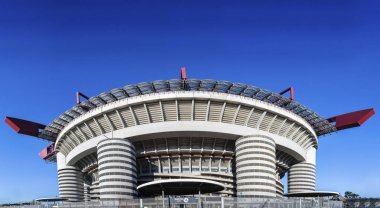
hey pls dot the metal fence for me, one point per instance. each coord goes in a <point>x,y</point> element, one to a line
<point>363,203</point>
<point>195,202</point>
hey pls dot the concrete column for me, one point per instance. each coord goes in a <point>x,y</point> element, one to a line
<point>86,192</point>
<point>94,191</point>
<point>117,169</point>
<point>279,187</point>
<point>70,180</point>
<point>256,166</point>
<point>301,176</point>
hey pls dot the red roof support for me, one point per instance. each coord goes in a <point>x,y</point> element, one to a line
<point>183,73</point>
<point>353,119</point>
<point>24,127</point>
<point>47,152</point>
<point>290,90</point>
<point>78,95</point>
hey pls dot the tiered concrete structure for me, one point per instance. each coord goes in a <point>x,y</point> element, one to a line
<point>301,177</point>
<point>186,137</point>
<point>70,182</point>
<point>256,166</point>
<point>120,142</point>
<point>117,169</point>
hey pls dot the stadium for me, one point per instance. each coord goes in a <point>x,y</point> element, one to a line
<point>186,137</point>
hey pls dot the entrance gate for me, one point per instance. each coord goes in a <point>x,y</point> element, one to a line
<point>182,202</point>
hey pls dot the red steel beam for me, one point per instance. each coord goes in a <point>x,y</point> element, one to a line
<point>78,95</point>
<point>353,119</point>
<point>47,151</point>
<point>23,126</point>
<point>290,90</point>
<point>183,73</point>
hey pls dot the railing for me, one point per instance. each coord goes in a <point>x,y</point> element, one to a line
<point>194,202</point>
<point>363,203</point>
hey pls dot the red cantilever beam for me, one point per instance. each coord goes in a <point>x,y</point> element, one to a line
<point>353,119</point>
<point>47,151</point>
<point>24,127</point>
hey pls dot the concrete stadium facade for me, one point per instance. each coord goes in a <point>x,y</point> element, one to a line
<point>245,144</point>
<point>185,137</point>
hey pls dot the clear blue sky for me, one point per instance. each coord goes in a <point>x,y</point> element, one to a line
<point>328,50</point>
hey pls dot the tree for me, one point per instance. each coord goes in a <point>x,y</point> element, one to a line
<point>351,195</point>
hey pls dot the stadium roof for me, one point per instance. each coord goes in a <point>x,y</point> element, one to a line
<point>320,125</point>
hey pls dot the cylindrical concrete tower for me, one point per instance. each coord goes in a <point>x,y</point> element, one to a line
<point>256,166</point>
<point>301,177</point>
<point>70,181</point>
<point>117,169</point>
